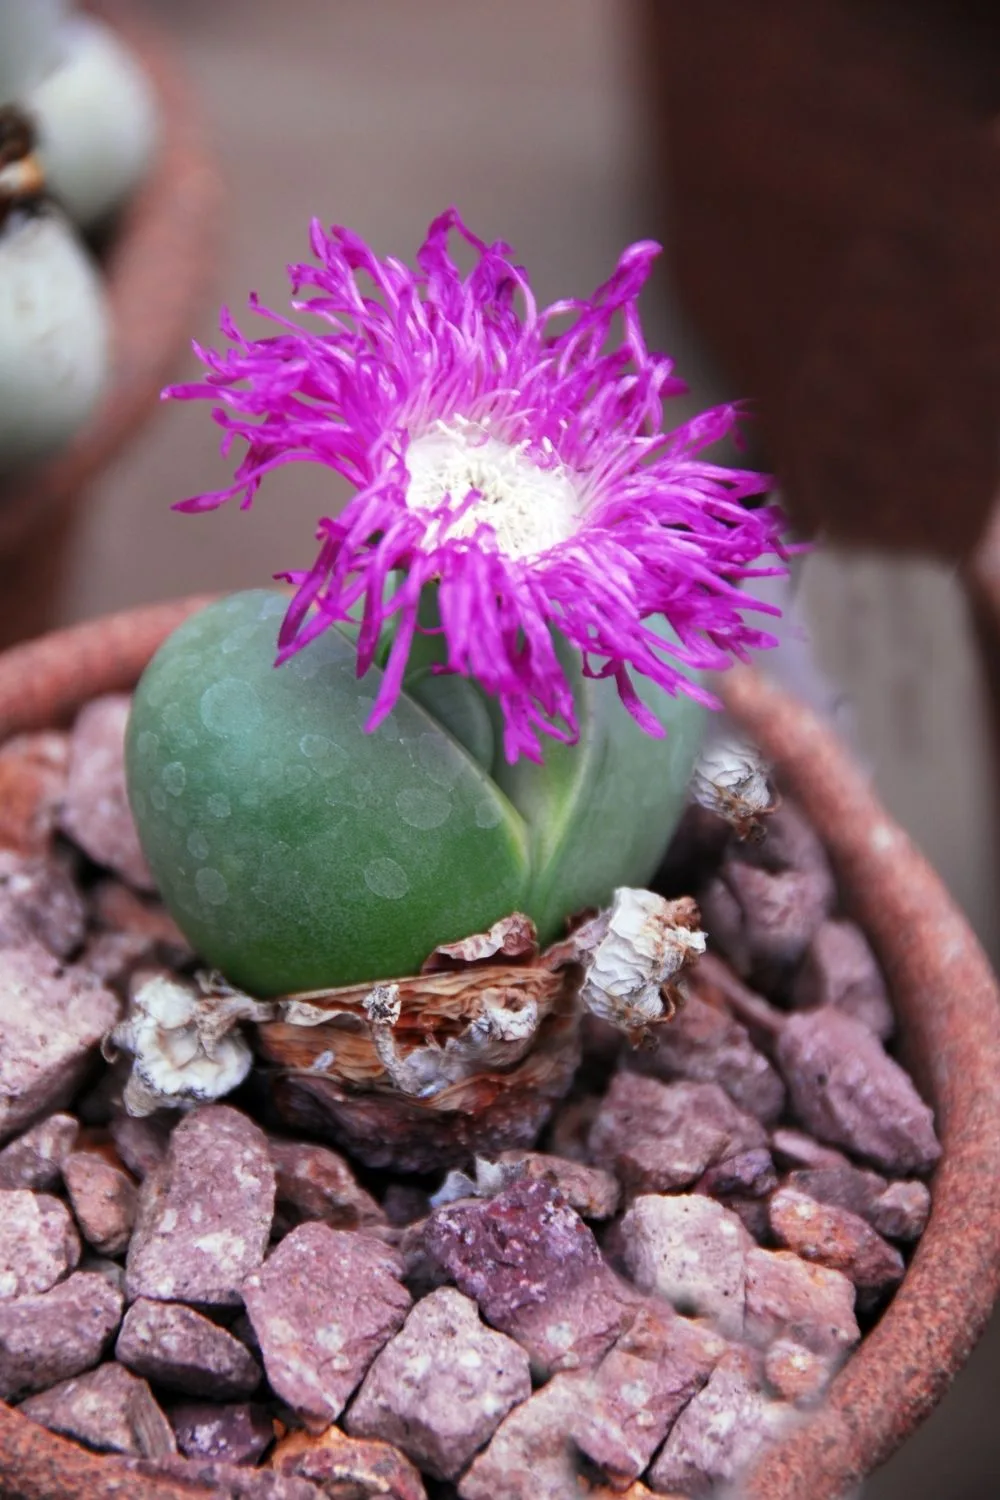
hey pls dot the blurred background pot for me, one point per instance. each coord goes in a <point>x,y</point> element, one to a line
<point>948,1005</point>
<point>156,259</point>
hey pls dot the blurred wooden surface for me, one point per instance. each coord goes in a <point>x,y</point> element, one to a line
<point>834,187</point>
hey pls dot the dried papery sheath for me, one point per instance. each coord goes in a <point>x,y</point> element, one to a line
<point>185,1041</point>
<point>513,459</point>
<point>730,779</point>
<point>633,954</point>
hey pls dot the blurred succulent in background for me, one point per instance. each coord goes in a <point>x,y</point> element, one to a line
<point>529,558</point>
<point>77,132</point>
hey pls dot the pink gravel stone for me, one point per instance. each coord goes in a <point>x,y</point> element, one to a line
<point>104,1199</point>
<point>322,1306</point>
<point>749,1174</point>
<point>313,1182</point>
<point>793,1148</point>
<point>51,1021</point>
<point>38,1242</point>
<point>232,1433</point>
<point>786,1297</point>
<point>658,1137</point>
<point>762,921</point>
<point>798,1374</point>
<point>95,812</point>
<point>844,1186</point>
<point>119,909</point>
<point>204,1215</point>
<point>704,1044</point>
<point>175,1346</point>
<point>34,1160</point>
<point>719,1433</point>
<point>32,783</point>
<point>592,1192</point>
<point>790,843</point>
<point>56,1334</point>
<point>638,1390</point>
<point>441,1387</point>
<point>841,970</point>
<point>834,1237</point>
<point>902,1211</point>
<point>529,1457</point>
<point>107,1409</point>
<point>142,1141</point>
<point>692,1251</point>
<point>848,1091</point>
<point>39,902</point>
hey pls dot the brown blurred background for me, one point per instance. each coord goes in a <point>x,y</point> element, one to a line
<point>540,119</point>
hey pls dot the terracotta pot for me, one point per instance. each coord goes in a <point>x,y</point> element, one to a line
<point>157,268</point>
<point>944,993</point>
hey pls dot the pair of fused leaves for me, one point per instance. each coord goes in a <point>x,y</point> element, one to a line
<point>296,851</point>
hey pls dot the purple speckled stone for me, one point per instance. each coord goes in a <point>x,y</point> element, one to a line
<point>850,1092</point>
<point>704,1044</point>
<point>659,1137</point>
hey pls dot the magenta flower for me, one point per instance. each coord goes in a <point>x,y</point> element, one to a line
<point>514,457</point>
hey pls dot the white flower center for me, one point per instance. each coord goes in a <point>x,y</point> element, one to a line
<point>530,508</point>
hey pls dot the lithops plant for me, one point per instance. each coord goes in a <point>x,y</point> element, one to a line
<point>486,696</point>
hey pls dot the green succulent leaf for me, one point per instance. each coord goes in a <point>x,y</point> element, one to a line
<point>296,851</point>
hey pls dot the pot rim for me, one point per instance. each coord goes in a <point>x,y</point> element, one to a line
<point>942,988</point>
<point>156,268</point>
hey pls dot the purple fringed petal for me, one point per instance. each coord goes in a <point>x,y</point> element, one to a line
<point>659,531</point>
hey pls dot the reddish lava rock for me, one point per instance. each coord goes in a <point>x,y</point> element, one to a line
<point>834,1237</point>
<point>719,1432</point>
<point>107,1409</point>
<point>847,1089</point>
<point>441,1387</point>
<point>902,1211</point>
<point>104,1199</point>
<point>33,771</point>
<point>38,1242</point>
<point>659,1137</point>
<point>691,1251</point>
<point>841,970</point>
<point>56,1334</point>
<point>175,1346</point>
<point>788,1298</point>
<point>639,1389</point>
<point>763,921</point>
<point>322,1306</point>
<point>51,1020</point>
<point>705,1044</point>
<point>34,1160</point>
<point>205,1213</point>
<point>313,1182</point>
<point>40,902</point>
<point>95,812</point>
<point>592,1192</point>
